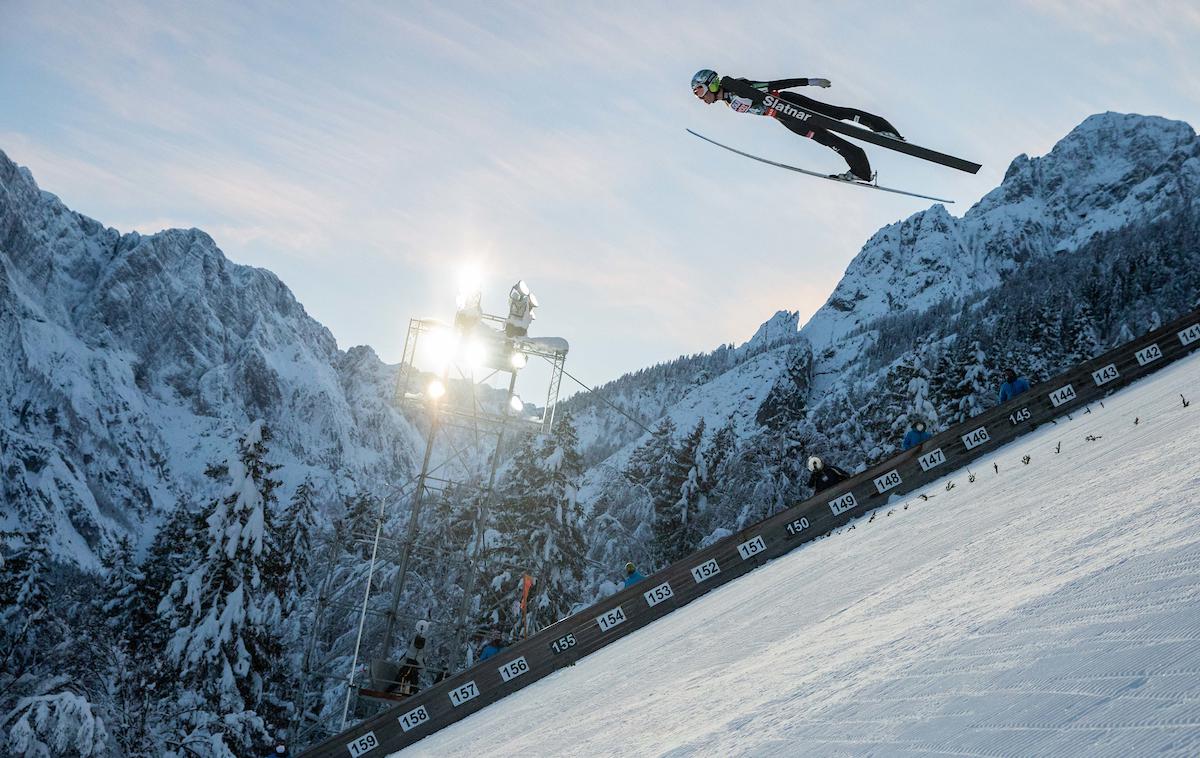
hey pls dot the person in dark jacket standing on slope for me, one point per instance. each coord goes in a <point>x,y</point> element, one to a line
<point>823,477</point>
<point>915,436</point>
<point>741,94</point>
<point>1013,385</point>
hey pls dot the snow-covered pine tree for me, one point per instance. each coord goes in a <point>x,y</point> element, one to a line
<point>904,394</point>
<point>227,644</point>
<point>175,546</point>
<point>122,579</point>
<point>721,456</point>
<point>41,713</point>
<point>1081,340</point>
<point>63,724</point>
<point>649,461</point>
<point>27,631</point>
<point>721,449</point>
<point>677,524</point>
<point>654,472</point>
<point>1041,350</point>
<point>845,424</point>
<point>919,390</point>
<point>761,479</point>
<point>355,528</point>
<point>297,536</point>
<point>539,529</point>
<point>673,522</point>
<point>25,622</point>
<point>111,657</point>
<point>289,579</point>
<point>975,389</point>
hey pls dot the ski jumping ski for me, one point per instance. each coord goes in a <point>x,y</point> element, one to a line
<point>783,110</point>
<point>866,185</point>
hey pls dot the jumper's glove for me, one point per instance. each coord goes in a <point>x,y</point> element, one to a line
<point>819,82</point>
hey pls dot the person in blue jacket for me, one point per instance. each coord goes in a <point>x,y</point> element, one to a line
<point>632,575</point>
<point>494,645</point>
<point>915,435</point>
<point>1013,385</point>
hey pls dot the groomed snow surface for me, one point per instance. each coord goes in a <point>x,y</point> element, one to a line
<point>1048,609</point>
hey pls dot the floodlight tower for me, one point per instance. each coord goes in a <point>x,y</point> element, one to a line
<point>474,341</point>
<point>445,373</point>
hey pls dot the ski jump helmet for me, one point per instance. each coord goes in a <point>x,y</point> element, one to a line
<point>630,568</point>
<point>705,79</point>
<point>814,463</point>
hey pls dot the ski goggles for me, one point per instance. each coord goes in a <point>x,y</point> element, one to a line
<point>705,81</point>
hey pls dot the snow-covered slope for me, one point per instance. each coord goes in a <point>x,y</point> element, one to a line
<point>130,361</point>
<point>1045,609</point>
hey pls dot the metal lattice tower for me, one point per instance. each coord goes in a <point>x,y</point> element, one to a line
<point>467,414</point>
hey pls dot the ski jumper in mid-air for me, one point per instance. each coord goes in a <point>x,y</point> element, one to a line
<point>745,96</point>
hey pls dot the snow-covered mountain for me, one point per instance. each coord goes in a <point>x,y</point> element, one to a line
<point>1073,251</point>
<point>131,361</point>
<point>1111,171</point>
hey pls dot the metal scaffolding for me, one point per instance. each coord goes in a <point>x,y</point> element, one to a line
<point>467,414</point>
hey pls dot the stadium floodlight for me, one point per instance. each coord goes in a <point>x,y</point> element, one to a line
<point>443,346</point>
<point>518,359</point>
<point>435,389</point>
<point>521,303</point>
<point>475,354</point>
<point>516,404</point>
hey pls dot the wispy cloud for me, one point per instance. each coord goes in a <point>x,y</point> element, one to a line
<point>1110,21</point>
<point>361,150</point>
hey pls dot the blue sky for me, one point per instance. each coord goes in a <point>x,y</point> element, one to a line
<point>365,152</point>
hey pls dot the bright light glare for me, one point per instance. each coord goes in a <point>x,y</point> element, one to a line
<point>518,359</point>
<point>470,279</point>
<point>475,354</point>
<point>516,404</point>
<point>436,389</point>
<point>443,345</point>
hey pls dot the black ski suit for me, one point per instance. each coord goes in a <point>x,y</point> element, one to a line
<point>745,96</point>
<point>825,477</point>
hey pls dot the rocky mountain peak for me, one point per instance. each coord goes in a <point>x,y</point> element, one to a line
<point>131,358</point>
<point>782,325</point>
<point>1110,170</point>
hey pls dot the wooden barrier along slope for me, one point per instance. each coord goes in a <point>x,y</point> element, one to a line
<point>570,639</point>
